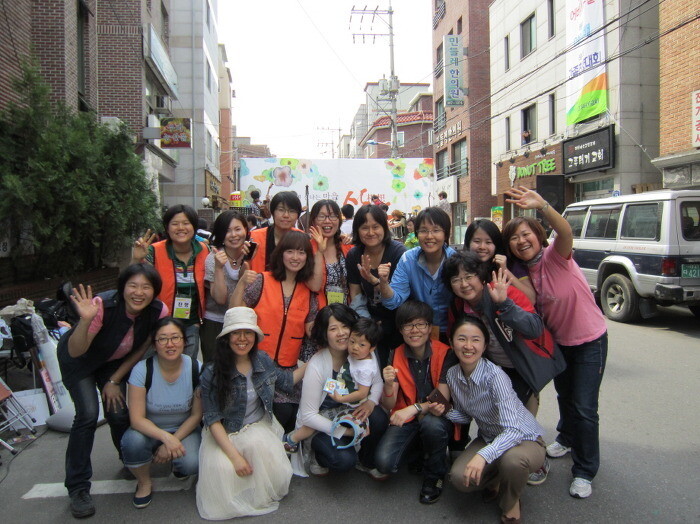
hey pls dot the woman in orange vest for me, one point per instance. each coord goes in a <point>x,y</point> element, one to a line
<point>180,261</point>
<point>329,253</point>
<point>286,309</point>
<point>419,365</point>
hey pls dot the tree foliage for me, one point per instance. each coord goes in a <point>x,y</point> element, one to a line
<point>72,191</point>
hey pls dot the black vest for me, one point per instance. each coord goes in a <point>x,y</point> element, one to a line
<point>115,325</point>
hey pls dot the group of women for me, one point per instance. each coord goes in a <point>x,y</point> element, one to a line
<point>464,336</point>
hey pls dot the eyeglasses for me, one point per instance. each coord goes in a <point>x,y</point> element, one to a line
<point>434,232</point>
<point>174,340</point>
<point>459,280</point>
<point>286,211</point>
<point>420,326</point>
<point>323,218</point>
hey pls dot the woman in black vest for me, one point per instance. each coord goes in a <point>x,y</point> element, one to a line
<point>111,336</point>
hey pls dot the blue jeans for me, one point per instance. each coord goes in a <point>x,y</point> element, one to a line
<point>328,456</point>
<point>577,389</point>
<point>82,433</point>
<point>434,433</point>
<point>138,450</point>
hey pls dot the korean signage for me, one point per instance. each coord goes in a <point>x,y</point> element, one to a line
<point>695,118</point>
<point>212,187</point>
<point>590,152</point>
<point>587,84</point>
<point>449,133</point>
<point>175,132</point>
<point>453,56</point>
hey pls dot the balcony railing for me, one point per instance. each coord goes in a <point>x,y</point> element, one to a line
<point>438,68</point>
<point>441,172</point>
<point>439,13</point>
<point>459,168</point>
<point>440,122</point>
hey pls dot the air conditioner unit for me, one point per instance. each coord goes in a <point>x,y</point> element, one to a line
<point>162,104</point>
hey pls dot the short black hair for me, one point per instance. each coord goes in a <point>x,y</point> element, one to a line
<point>289,198</point>
<point>436,216</point>
<point>142,268</point>
<point>202,224</point>
<point>348,211</point>
<point>170,213</point>
<point>369,329</point>
<point>490,229</point>
<point>292,240</point>
<point>475,321</point>
<point>165,321</point>
<point>361,217</point>
<point>469,262</point>
<point>252,220</point>
<point>341,312</point>
<point>413,310</point>
<point>255,194</point>
<point>384,207</point>
<point>221,225</point>
<point>442,194</point>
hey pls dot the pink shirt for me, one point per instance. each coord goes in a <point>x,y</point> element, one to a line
<point>565,300</point>
<point>128,340</point>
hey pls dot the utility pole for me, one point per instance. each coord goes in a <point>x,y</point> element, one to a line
<point>392,89</point>
<point>332,142</point>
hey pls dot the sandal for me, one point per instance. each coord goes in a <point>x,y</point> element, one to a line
<point>289,445</point>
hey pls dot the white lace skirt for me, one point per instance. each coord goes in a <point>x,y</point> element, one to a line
<point>222,494</point>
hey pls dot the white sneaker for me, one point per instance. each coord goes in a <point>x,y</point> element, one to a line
<point>556,450</point>
<point>372,472</point>
<point>316,469</point>
<point>580,488</point>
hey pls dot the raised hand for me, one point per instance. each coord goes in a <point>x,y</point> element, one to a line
<point>389,374</point>
<point>365,268</point>
<point>384,270</point>
<point>525,198</point>
<point>140,249</point>
<point>317,234</point>
<point>84,304</point>
<point>247,275</point>
<point>220,258</point>
<point>501,261</point>
<point>498,289</point>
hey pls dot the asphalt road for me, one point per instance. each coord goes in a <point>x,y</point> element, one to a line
<point>650,472</point>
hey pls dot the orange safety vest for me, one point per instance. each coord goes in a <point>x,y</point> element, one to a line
<point>407,393</point>
<point>322,299</point>
<point>166,269</point>
<point>257,264</point>
<point>284,330</point>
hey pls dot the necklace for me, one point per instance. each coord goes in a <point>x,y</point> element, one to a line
<point>233,260</point>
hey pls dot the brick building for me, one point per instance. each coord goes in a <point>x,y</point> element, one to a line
<point>462,135</point>
<point>679,122</point>
<point>225,129</point>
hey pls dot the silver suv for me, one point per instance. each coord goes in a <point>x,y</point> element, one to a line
<point>640,250</point>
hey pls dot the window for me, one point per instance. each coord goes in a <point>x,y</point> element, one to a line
<point>165,25</point>
<point>507,133</point>
<point>459,159</point>
<point>575,219</point>
<point>528,42</point>
<point>506,51</point>
<point>690,220</point>
<point>439,61</point>
<point>550,18</point>
<point>440,117</point>
<point>603,222</point>
<point>441,164</point>
<point>208,151</point>
<point>552,114</point>
<point>642,221</point>
<point>400,138</point>
<point>529,124</point>
<point>459,25</point>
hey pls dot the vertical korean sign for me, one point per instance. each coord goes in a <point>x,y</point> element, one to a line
<point>587,85</point>
<point>453,58</point>
<point>695,118</point>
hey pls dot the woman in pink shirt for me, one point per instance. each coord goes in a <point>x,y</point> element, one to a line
<point>568,308</point>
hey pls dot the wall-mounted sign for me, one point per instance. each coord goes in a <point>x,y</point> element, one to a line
<point>175,132</point>
<point>590,152</point>
<point>449,186</point>
<point>453,57</point>
<point>157,57</point>
<point>449,133</point>
<point>695,118</point>
<point>212,187</point>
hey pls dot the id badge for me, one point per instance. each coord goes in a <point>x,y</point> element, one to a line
<point>335,294</point>
<point>182,307</point>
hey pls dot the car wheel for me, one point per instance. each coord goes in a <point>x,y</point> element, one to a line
<point>695,310</point>
<point>619,300</point>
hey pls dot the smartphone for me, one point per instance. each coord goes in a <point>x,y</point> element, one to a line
<point>437,396</point>
<point>251,251</point>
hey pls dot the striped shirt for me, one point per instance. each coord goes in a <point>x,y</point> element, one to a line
<point>487,396</point>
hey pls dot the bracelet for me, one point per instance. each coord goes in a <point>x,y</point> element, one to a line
<point>113,382</point>
<point>545,206</point>
<point>389,396</point>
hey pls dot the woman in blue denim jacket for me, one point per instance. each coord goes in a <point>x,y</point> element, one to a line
<point>243,468</point>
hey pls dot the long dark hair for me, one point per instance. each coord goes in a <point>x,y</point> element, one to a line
<point>490,229</point>
<point>292,240</point>
<point>224,363</point>
<point>341,312</point>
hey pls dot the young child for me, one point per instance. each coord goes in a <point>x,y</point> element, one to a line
<point>356,376</point>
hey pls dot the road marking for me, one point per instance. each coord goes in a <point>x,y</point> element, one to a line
<point>107,487</point>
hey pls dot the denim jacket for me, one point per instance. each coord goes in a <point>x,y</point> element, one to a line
<point>266,377</point>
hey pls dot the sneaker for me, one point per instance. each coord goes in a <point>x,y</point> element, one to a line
<point>316,469</point>
<point>372,472</point>
<point>580,488</point>
<point>289,445</point>
<point>556,450</point>
<point>431,491</point>
<point>81,504</point>
<point>539,476</point>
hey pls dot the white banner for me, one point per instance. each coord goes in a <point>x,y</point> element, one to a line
<point>402,183</point>
<point>452,75</point>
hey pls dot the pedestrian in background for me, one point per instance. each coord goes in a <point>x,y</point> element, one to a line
<point>348,213</point>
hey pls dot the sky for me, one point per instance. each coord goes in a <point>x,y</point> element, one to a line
<point>296,70</point>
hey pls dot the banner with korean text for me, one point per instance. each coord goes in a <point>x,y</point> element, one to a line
<point>402,183</point>
<point>453,52</point>
<point>587,85</point>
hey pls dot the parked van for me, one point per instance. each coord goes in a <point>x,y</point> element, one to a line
<point>640,250</point>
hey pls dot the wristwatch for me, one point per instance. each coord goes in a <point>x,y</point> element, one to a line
<point>418,407</point>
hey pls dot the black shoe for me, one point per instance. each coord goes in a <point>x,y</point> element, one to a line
<point>81,504</point>
<point>431,491</point>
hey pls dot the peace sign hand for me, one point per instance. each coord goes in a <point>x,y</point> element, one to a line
<point>141,245</point>
<point>87,309</point>
<point>499,286</point>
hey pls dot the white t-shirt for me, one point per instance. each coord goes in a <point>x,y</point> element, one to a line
<point>363,372</point>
